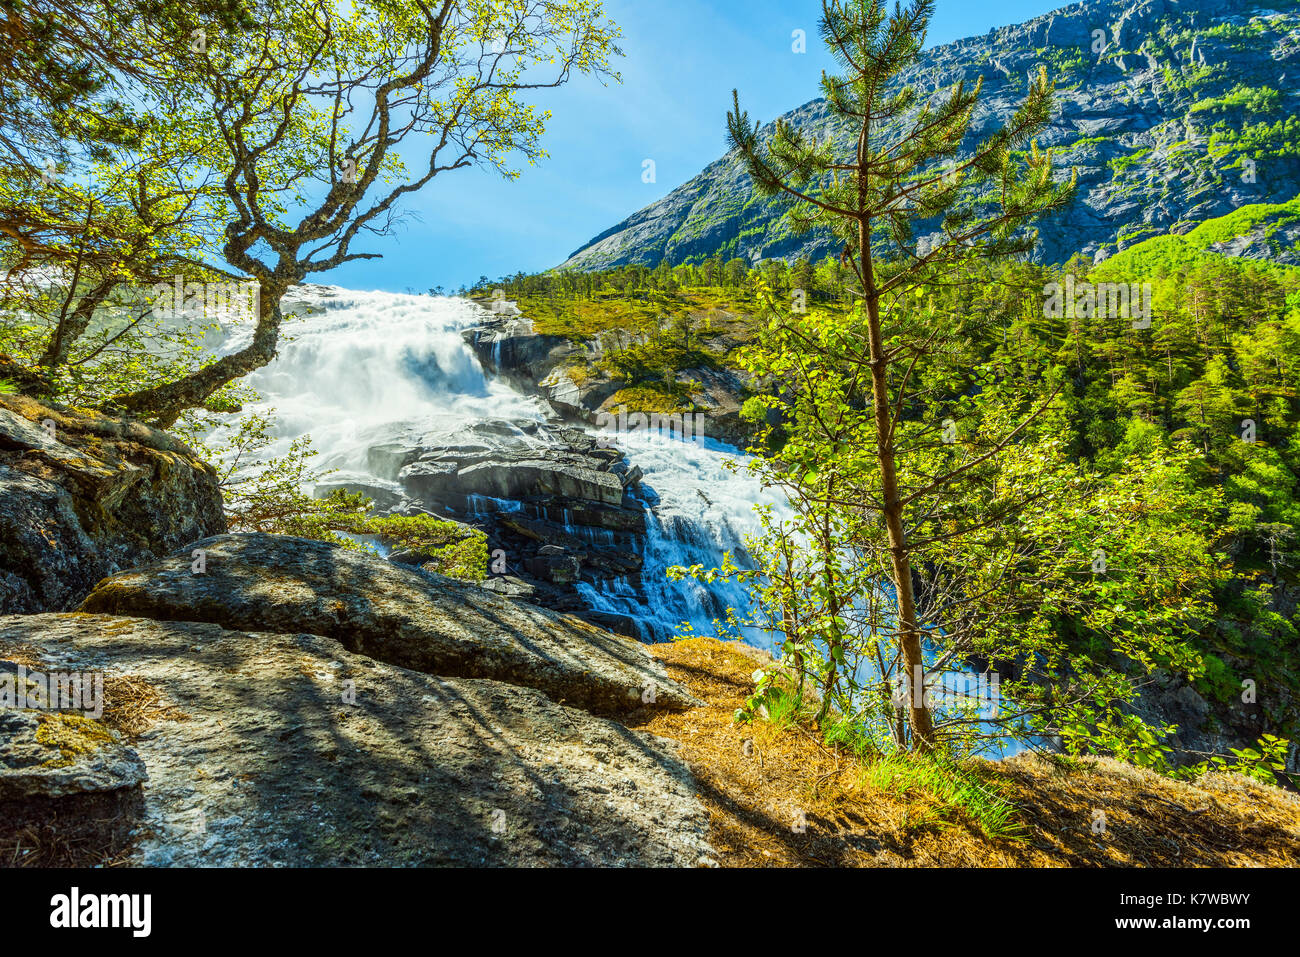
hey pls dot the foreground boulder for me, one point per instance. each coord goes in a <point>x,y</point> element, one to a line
<point>67,781</point>
<point>279,749</point>
<point>399,615</point>
<point>83,495</point>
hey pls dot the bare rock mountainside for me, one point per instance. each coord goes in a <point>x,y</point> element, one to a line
<point>1188,112</point>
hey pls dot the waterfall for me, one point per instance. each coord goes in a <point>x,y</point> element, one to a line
<point>351,364</point>
<point>357,366</point>
<point>700,510</point>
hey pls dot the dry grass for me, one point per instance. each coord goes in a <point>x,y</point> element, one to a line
<point>757,795</point>
<point>85,830</point>
<point>132,706</point>
<point>785,800</point>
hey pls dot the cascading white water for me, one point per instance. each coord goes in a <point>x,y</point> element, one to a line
<point>704,510</point>
<point>360,361</point>
<point>367,363</point>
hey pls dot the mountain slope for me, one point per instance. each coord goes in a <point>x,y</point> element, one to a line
<point>1269,232</point>
<point>1188,113</point>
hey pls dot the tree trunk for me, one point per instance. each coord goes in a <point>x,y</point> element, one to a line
<point>163,405</point>
<point>909,635</point>
<point>72,327</point>
<point>835,643</point>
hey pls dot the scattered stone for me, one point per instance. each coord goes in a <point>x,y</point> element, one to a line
<point>510,587</point>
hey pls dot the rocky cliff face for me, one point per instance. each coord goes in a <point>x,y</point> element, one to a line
<point>1186,113</point>
<point>558,369</point>
<point>83,495</point>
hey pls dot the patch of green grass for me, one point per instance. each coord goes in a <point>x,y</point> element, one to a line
<point>970,789</point>
<point>977,794</point>
<point>578,371</point>
<point>1131,233</point>
<point>1249,100</point>
<point>1168,253</point>
<point>1260,141</point>
<point>1085,141</point>
<point>654,397</point>
<point>785,707</point>
<point>846,735</point>
<point>453,550</point>
<point>583,319</point>
<point>1121,164</point>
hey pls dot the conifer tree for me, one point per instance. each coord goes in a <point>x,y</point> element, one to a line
<point>909,166</point>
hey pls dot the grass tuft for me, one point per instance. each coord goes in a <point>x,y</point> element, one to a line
<point>980,797</point>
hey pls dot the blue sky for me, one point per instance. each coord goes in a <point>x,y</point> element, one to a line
<point>682,59</point>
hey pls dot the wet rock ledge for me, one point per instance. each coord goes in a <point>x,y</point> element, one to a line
<point>558,509</point>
